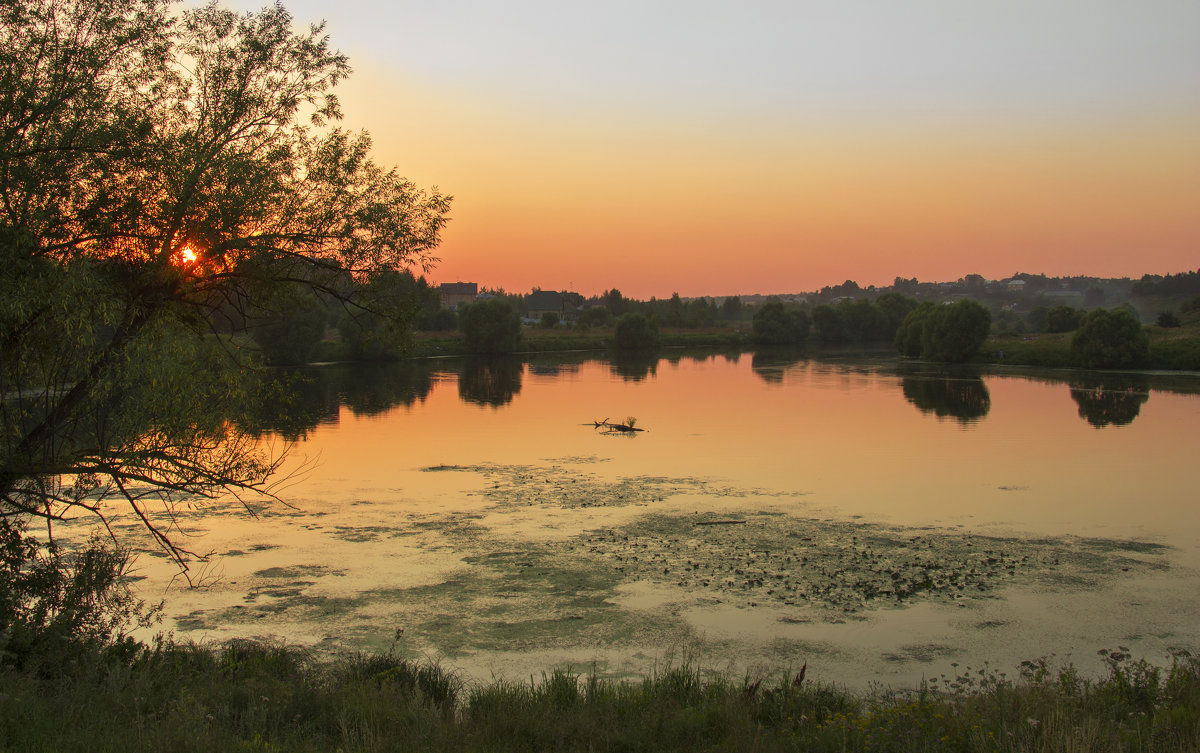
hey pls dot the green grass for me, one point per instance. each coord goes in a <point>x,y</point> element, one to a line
<point>1171,349</point>
<point>1047,350</point>
<point>258,697</point>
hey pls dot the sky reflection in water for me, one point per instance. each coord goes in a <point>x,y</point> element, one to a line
<point>378,543</point>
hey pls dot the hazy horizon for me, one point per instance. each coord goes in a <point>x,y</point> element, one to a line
<point>713,147</point>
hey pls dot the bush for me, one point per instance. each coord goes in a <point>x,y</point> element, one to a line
<point>596,316</point>
<point>636,332</point>
<point>439,320</point>
<point>1168,319</point>
<point>490,326</point>
<point>549,320</point>
<point>52,605</point>
<point>908,336</point>
<point>952,333</point>
<point>776,324</point>
<point>831,324</point>
<point>1110,339</point>
<point>1063,319</point>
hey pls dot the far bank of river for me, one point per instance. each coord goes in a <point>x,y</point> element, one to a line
<point>1174,349</point>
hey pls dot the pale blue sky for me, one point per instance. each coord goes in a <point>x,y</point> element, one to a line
<point>872,57</point>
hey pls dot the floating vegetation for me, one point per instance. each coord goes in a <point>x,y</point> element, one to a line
<point>559,486</point>
<point>845,567</point>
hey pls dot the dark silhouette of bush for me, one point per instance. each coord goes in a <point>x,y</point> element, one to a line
<point>908,336</point>
<point>954,333</point>
<point>951,333</point>
<point>1110,339</point>
<point>490,326</point>
<point>635,331</point>
<point>777,324</point>
<point>1168,319</point>
<point>1063,319</point>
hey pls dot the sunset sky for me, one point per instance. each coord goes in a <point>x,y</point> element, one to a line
<point>714,148</point>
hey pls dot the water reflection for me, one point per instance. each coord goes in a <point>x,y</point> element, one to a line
<point>293,403</point>
<point>374,389</point>
<point>490,381</point>
<point>1110,399</point>
<point>770,364</point>
<point>634,365</point>
<point>963,397</point>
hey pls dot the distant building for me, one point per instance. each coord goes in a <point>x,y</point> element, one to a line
<point>541,302</point>
<point>1016,286</point>
<point>455,294</point>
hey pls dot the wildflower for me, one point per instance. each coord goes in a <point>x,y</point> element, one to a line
<point>1032,722</point>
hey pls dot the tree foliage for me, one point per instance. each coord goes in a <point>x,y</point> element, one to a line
<point>777,324</point>
<point>1110,339</point>
<point>53,604</point>
<point>912,328</point>
<point>1063,319</point>
<point>490,326</point>
<point>635,331</point>
<point>951,333</point>
<point>955,332</point>
<point>160,169</point>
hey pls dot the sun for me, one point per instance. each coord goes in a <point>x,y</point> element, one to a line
<point>186,257</point>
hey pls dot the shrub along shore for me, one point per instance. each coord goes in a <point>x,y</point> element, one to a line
<point>248,696</point>
<point>1175,349</point>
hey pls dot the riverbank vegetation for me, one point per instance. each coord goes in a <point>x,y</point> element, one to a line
<point>263,697</point>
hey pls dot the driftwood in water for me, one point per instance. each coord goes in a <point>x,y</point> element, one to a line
<point>627,427</point>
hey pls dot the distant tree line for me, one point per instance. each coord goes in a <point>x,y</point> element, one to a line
<point>396,304</point>
<point>1184,284</point>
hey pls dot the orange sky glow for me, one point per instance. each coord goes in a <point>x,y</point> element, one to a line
<point>714,148</point>
<point>652,210</point>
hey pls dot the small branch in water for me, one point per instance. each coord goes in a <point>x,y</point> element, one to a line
<point>627,427</point>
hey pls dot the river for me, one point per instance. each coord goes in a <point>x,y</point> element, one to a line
<point>879,520</point>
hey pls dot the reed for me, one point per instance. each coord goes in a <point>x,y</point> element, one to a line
<point>267,697</point>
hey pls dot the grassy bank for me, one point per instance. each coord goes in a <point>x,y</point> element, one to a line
<point>254,697</point>
<point>1171,349</point>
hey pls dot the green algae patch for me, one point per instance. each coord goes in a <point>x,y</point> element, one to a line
<point>842,568</point>
<point>509,486</point>
<point>523,599</point>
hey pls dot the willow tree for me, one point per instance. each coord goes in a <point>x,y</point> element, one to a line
<point>161,168</point>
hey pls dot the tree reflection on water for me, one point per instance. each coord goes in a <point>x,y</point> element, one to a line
<point>635,365</point>
<point>490,381</point>
<point>1110,399</point>
<point>963,397</point>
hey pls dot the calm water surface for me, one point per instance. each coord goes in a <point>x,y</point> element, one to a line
<point>537,539</point>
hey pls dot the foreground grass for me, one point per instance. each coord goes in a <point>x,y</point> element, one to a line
<point>255,697</point>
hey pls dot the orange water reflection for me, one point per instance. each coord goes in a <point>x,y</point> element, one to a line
<point>867,440</point>
<point>842,433</point>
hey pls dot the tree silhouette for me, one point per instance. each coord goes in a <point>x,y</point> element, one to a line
<point>159,170</point>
